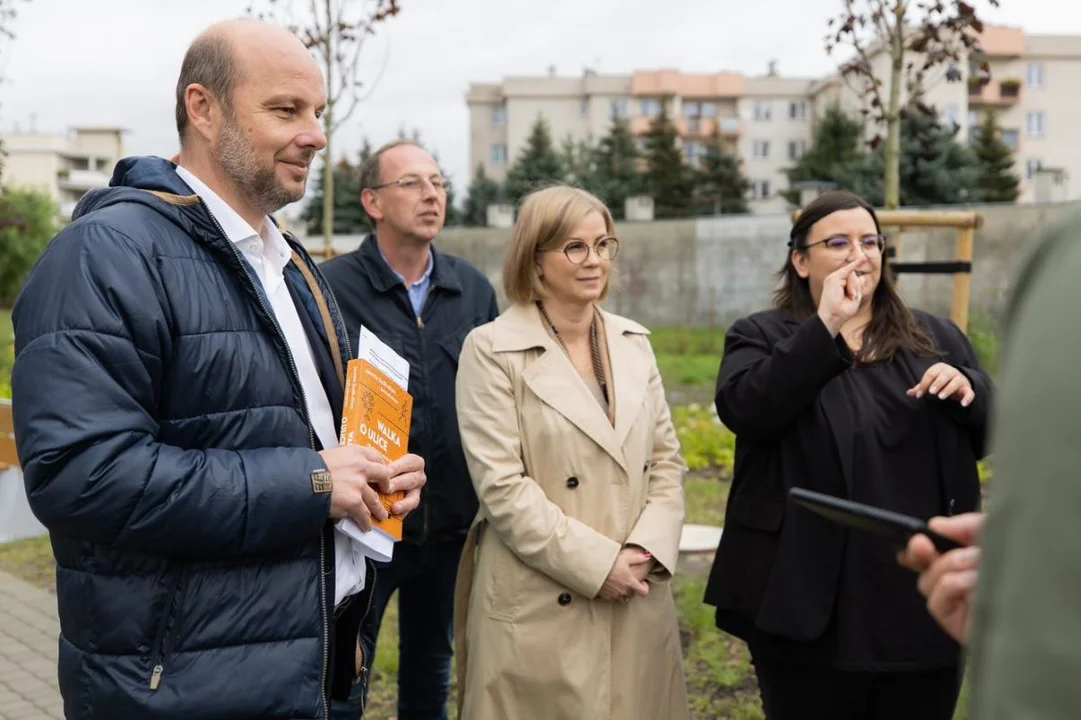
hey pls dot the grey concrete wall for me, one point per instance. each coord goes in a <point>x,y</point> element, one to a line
<point>708,272</point>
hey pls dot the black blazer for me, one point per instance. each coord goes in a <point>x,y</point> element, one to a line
<point>777,569</point>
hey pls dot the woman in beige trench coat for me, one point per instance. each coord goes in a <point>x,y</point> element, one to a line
<point>564,606</point>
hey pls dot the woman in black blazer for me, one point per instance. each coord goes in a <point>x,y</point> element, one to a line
<point>842,389</point>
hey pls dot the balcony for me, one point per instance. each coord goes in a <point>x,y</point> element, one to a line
<point>1003,93</point>
<point>731,126</point>
<point>81,180</point>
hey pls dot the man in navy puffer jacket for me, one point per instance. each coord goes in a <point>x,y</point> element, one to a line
<point>177,393</point>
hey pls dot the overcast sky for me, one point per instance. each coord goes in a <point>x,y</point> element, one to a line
<point>115,62</point>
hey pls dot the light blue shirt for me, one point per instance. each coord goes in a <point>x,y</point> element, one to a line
<point>418,291</point>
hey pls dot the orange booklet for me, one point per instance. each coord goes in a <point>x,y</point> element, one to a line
<point>376,413</point>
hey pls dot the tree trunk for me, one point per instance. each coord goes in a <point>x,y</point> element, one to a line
<point>893,113</point>
<point>328,155</point>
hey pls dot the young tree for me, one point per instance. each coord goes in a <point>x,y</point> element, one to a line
<point>837,149</point>
<point>667,178</point>
<point>483,191</point>
<point>997,180</point>
<point>616,166</point>
<point>719,181</point>
<point>942,39</point>
<point>349,215</point>
<point>537,164</point>
<point>336,32</point>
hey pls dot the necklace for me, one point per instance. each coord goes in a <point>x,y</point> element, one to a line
<point>594,347</point>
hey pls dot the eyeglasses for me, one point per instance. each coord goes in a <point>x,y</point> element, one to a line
<point>842,244</point>
<point>577,251</point>
<point>414,183</point>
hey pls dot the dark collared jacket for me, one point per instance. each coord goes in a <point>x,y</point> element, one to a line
<point>459,299</point>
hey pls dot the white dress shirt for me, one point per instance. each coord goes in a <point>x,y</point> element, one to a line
<point>268,254</point>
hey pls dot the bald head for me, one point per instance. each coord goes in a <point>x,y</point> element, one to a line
<point>222,55</point>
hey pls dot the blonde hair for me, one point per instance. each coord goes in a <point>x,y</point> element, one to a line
<point>545,220</point>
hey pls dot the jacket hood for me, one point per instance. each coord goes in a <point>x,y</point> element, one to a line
<point>133,176</point>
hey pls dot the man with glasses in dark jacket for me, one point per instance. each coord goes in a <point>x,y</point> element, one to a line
<point>177,393</point>
<point>421,302</point>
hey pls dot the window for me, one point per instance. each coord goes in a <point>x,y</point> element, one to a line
<point>796,149</point>
<point>952,115</point>
<point>499,155</point>
<point>763,111</point>
<point>797,111</point>
<point>761,149</point>
<point>1031,167</point>
<point>973,118</point>
<point>620,108</point>
<point>1011,138</point>
<point>692,109</point>
<point>499,115</point>
<point>1034,76</point>
<point>709,109</point>
<point>1035,124</point>
<point>760,189</point>
<point>649,107</point>
<point>694,152</point>
<point>584,109</point>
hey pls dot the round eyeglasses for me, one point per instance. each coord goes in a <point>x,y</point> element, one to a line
<point>577,251</point>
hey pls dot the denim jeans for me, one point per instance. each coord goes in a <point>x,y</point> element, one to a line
<point>424,577</point>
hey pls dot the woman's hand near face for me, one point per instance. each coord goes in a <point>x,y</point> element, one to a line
<point>841,297</point>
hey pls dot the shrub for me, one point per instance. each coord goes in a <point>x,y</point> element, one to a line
<point>27,223</point>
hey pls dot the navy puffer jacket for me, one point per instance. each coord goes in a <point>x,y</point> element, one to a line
<point>165,444</point>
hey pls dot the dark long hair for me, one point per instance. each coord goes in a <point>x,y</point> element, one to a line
<point>892,326</point>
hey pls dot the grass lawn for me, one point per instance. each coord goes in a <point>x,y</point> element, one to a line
<point>720,680</point>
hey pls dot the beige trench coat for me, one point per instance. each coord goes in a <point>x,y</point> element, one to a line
<point>561,491</point>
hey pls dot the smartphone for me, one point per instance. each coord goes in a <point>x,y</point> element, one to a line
<point>896,526</point>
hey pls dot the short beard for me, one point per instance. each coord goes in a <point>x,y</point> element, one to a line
<point>258,183</point>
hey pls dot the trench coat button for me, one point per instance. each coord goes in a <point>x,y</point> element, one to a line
<point>565,599</point>
<point>572,482</point>
<point>645,468</point>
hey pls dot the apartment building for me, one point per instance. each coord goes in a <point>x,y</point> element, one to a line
<point>769,119</point>
<point>64,165</point>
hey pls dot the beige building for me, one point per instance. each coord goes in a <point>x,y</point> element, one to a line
<point>63,165</point>
<point>769,119</point>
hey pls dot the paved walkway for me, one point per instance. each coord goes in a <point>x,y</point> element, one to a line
<point>28,645</point>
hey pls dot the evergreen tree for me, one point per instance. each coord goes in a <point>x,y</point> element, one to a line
<point>349,215</point>
<point>667,178</point>
<point>935,168</point>
<point>483,191</point>
<point>579,160</point>
<point>616,166</point>
<point>536,166</point>
<point>835,156</point>
<point>997,180</point>
<point>719,182</point>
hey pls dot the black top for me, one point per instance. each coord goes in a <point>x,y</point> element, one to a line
<point>881,621</point>
<point>794,584</point>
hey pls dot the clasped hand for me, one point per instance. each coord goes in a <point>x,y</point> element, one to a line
<point>360,474</point>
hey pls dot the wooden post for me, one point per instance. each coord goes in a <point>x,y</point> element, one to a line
<point>962,281</point>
